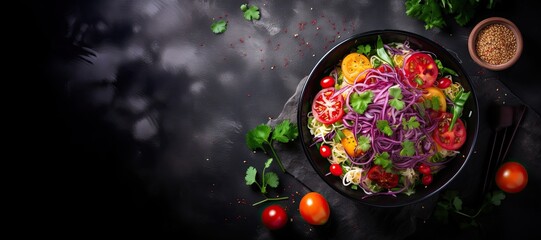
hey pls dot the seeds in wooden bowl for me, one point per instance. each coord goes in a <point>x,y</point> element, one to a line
<point>496,44</point>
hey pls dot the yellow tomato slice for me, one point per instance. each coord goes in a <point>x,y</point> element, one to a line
<point>432,92</point>
<point>350,144</point>
<point>353,65</point>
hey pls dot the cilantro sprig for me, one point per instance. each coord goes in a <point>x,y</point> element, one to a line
<point>359,101</point>
<point>383,126</point>
<point>396,102</point>
<point>263,136</point>
<point>451,203</point>
<point>251,12</point>
<point>269,179</point>
<point>218,26</point>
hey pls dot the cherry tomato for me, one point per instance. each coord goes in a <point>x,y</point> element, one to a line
<point>325,151</point>
<point>336,169</point>
<point>450,140</point>
<point>424,168</point>
<point>327,82</point>
<point>382,178</point>
<point>434,92</point>
<point>350,144</point>
<point>326,108</point>
<point>353,65</point>
<point>511,177</point>
<point>274,217</point>
<point>444,83</point>
<point>421,70</point>
<point>314,208</point>
<point>426,179</point>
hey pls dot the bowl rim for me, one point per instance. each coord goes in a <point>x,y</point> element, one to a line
<point>472,39</point>
<point>467,155</point>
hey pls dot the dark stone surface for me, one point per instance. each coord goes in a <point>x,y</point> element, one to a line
<point>144,111</point>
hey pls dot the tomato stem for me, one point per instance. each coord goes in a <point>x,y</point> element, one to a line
<point>270,199</point>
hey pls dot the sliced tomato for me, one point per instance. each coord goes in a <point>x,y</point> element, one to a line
<point>421,70</point>
<point>350,144</point>
<point>326,108</point>
<point>353,65</point>
<point>450,140</point>
<point>382,178</point>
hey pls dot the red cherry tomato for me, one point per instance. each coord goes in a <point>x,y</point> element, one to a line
<point>314,208</point>
<point>427,179</point>
<point>326,108</point>
<point>274,217</point>
<point>511,177</point>
<point>325,151</point>
<point>424,168</point>
<point>444,83</point>
<point>420,70</point>
<point>327,82</point>
<point>450,140</point>
<point>336,169</point>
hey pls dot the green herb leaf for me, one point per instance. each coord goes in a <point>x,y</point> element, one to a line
<point>497,197</point>
<point>444,70</point>
<point>257,136</point>
<point>383,126</point>
<point>250,175</point>
<point>383,160</point>
<point>382,53</point>
<point>219,26</point>
<point>271,179</point>
<point>457,203</point>
<point>250,12</point>
<point>268,163</point>
<point>408,148</point>
<point>359,101</point>
<point>364,49</point>
<point>363,143</point>
<point>396,102</point>
<point>285,132</point>
<point>411,123</point>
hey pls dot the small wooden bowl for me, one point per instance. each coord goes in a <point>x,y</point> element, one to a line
<point>489,60</point>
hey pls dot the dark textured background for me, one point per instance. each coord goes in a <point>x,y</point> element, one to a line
<point>142,111</point>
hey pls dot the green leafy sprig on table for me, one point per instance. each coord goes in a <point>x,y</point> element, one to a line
<point>267,179</point>
<point>433,12</point>
<point>451,203</point>
<point>249,12</point>
<point>263,136</point>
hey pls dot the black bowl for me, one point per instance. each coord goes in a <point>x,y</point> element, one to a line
<point>324,66</point>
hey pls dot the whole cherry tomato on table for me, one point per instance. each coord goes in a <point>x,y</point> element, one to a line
<point>274,217</point>
<point>314,208</point>
<point>511,177</point>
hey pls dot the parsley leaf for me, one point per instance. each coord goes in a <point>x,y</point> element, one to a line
<point>408,148</point>
<point>359,101</point>
<point>363,142</point>
<point>433,103</point>
<point>250,175</point>
<point>271,179</point>
<point>383,126</point>
<point>251,12</point>
<point>267,179</point>
<point>396,102</point>
<point>364,49</point>
<point>219,26</point>
<point>383,160</point>
<point>285,132</point>
<point>411,123</point>
<point>256,137</point>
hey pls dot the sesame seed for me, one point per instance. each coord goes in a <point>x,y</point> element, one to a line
<point>496,44</point>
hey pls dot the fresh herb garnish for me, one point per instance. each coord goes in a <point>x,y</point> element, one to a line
<point>251,12</point>
<point>269,179</point>
<point>433,103</point>
<point>260,137</point>
<point>433,13</point>
<point>411,123</point>
<point>363,143</point>
<point>364,49</point>
<point>408,148</point>
<point>451,203</point>
<point>384,161</point>
<point>396,102</point>
<point>383,126</point>
<point>218,26</point>
<point>444,70</point>
<point>382,53</point>
<point>359,101</point>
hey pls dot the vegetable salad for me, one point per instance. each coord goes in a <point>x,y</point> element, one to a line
<point>387,118</point>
